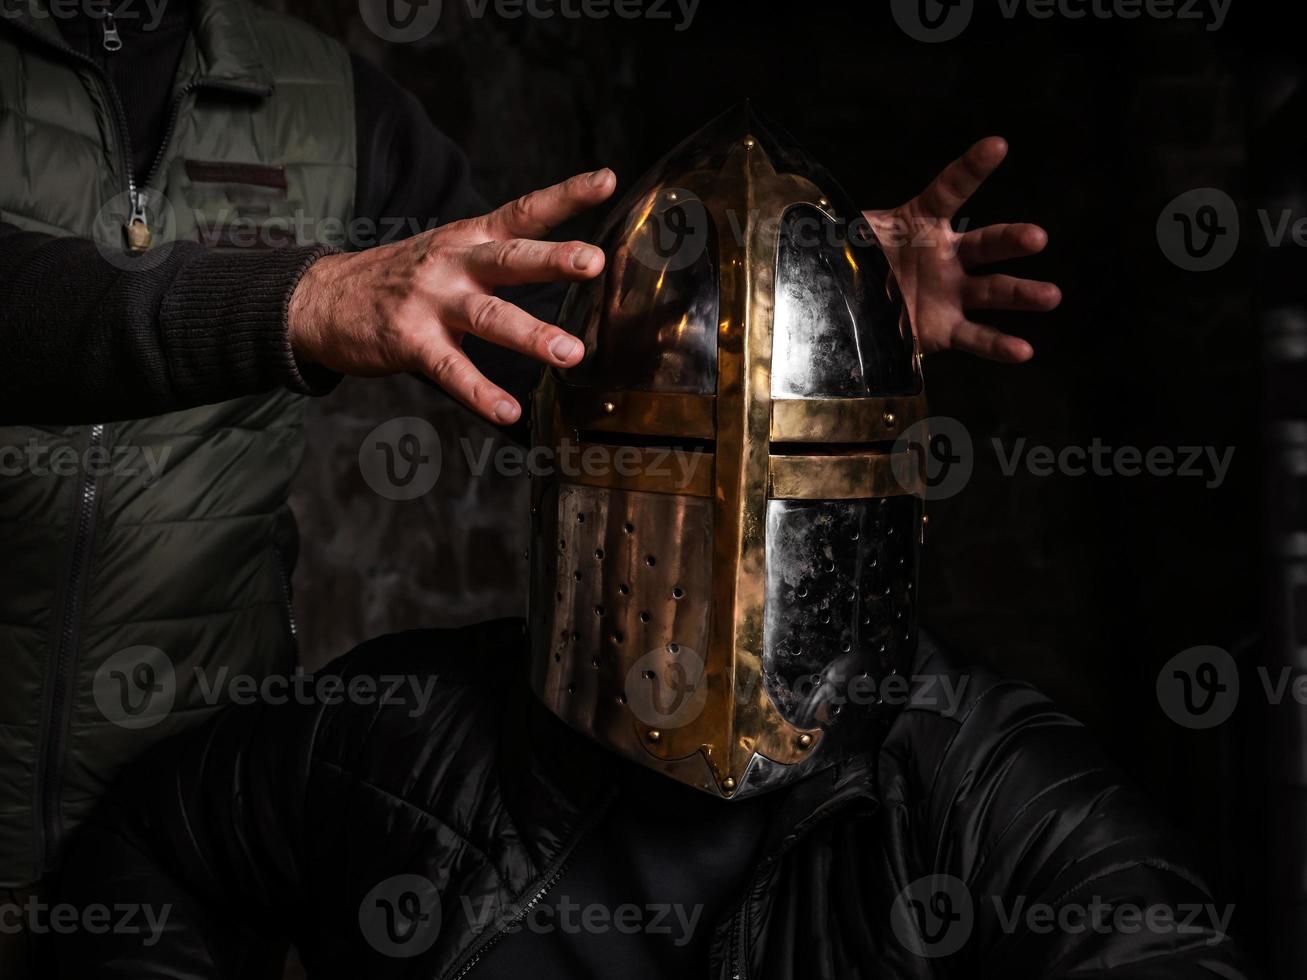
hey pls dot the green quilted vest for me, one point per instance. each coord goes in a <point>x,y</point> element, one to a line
<point>145,565</point>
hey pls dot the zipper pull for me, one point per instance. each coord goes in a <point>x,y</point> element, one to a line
<point>112,40</point>
<point>137,232</point>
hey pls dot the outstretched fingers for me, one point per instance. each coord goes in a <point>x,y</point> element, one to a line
<point>534,215</point>
<point>1000,292</point>
<point>519,261</point>
<point>998,243</point>
<point>958,181</point>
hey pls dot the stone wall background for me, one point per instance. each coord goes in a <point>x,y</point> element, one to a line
<point>1085,586</point>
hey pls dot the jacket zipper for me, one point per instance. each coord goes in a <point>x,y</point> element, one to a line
<point>49,761</point>
<point>287,597</point>
<point>552,878</point>
<point>53,736</point>
<point>739,964</point>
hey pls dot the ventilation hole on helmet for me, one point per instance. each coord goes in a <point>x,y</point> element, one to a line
<point>644,617</point>
<point>830,566</point>
<point>599,554</point>
<point>673,648</point>
<point>616,638</point>
<point>577,576</point>
<point>594,662</point>
<point>580,518</point>
<point>846,646</point>
<point>600,612</point>
<point>624,589</point>
<point>562,545</point>
<point>802,592</point>
<point>647,675</point>
<point>825,618</point>
<point>854,536</point>
<point>575,637</point>
<point>628,527</point>
<point>621,699</point>
<point>571,688</point>
<point>651,561</point>
<point>678,593</point>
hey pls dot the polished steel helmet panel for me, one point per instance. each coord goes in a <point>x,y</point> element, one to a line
<point>722,611</point>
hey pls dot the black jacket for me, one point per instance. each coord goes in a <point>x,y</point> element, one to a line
<point>277,821</point>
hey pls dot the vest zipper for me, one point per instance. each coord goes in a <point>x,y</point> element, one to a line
<point>137,235</point>
<point>50,758</point>
<point>53,736</point>
<point>552,878</point>
<point>112,39</point>
<point>287,596</point>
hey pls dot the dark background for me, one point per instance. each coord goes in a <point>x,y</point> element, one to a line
<point>1085,586</point>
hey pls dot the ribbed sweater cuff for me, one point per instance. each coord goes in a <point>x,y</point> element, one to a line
<point>224,325</point>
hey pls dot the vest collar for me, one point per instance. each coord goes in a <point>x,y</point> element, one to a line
<point>229,56</point>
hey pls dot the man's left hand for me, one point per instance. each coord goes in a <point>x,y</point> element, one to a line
<point>936,265</point>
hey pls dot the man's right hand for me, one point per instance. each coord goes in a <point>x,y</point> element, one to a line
<point>407,307</point>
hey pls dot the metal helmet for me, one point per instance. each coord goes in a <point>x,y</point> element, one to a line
<point>724,554</point>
